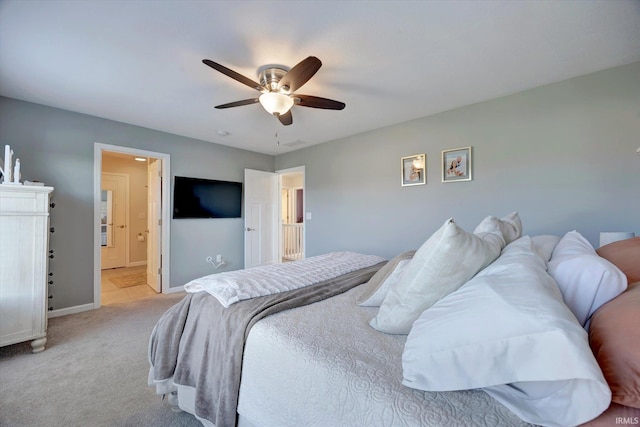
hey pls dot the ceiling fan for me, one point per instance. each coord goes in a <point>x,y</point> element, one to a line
<point>278,85</point>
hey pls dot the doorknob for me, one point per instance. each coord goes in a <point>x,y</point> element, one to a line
<point>121,226</point>
<point>251,229</point>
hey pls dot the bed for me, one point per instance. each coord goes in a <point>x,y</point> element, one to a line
<point>335,343</point>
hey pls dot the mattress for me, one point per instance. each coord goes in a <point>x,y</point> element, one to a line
<point>323,364</point>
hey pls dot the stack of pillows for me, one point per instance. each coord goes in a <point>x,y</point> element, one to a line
<point>448,259</point>
<point>505,313</point>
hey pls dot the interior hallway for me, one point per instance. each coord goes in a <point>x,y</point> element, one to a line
<point>112,294</point>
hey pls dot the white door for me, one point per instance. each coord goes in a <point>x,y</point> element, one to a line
<point>154,213</point>
<point>260,218</point>
<point>115,188</point>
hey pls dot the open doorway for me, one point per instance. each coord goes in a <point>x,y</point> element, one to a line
<point>292,214</point>
<point>274,216</point>
<point>132,217</point>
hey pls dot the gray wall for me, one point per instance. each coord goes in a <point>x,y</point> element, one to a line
<point>56,146</point>
<point>563,156</point>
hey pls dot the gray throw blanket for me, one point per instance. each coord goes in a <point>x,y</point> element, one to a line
<point>200,343</point>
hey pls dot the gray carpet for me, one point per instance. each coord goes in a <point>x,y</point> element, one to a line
<point>92,373</point>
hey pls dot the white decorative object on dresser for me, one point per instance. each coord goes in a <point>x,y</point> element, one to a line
<point>24,238</point>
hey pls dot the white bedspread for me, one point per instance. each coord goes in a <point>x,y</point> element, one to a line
<point>233,286</point>
<point>323,365</point>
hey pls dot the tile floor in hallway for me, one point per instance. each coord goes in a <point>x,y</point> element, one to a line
<point>112,294</point>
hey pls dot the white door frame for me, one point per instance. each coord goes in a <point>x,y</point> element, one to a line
<point>299,169</point>
<point>98,149</point>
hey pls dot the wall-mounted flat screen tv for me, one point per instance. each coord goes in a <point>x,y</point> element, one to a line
<point>206,198</point>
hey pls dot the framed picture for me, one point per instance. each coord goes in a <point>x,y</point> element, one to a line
<point>457,165</point>
<point>414,170</point>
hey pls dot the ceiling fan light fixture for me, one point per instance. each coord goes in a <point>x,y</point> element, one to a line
<point>279,85</point>
<point>276,103</point>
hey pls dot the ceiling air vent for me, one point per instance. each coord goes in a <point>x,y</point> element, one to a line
<point>294,143</point>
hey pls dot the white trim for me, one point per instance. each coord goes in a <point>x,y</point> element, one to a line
<point>98,148</point>
<point>291,170</point>
<point>69,310</point>
<point>173,290</point>
<point>137,263</point>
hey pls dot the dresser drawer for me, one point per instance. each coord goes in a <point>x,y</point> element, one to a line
<point>21,199</point>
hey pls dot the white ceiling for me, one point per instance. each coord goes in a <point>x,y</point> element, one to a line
<point>140,62</point>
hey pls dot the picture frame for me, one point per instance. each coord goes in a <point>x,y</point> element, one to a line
<point>457,165</point>
<point>413,170</point>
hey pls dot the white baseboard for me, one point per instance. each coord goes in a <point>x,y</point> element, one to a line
<point>70,310</point>
<point>173,290</point>
<point>137,263</point>
<point>87,307</point>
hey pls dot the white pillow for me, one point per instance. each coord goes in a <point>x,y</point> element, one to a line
<point>379,293</point>
<point>510,226</point>
<point>586,280</point>
<point>572,244</point>
<point>449,258</point>
<point>507,331</point>
<point>544,244</point>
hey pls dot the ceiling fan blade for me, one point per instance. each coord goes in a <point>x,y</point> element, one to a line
<point>236,76</point>
<point>299,75</point>
<point>237,103</point>
<point>317,102</point>
<point>286,118</point>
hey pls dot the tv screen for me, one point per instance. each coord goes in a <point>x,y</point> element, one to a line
<point>206,198</point>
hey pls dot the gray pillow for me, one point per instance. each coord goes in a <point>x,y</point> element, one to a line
<point>377,287</point>
<point>449,258</point>
<point>510,226</point>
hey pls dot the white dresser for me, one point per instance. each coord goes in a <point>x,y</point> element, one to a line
<point>24,241</point>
